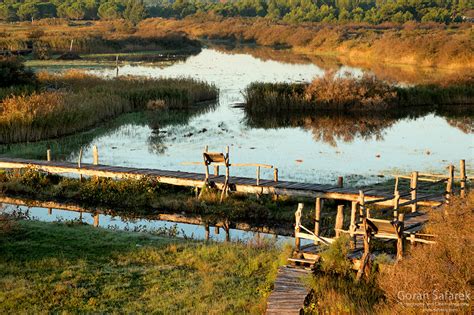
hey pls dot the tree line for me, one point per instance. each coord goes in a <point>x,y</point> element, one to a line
<point>371,11</point>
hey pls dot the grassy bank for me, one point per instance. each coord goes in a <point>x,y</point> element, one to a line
<point>350,94</point>
<point>421,44</point>
<point>66,103</point>
<point>57,267</point>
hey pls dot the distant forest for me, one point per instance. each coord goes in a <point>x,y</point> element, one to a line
<point>371,11</point>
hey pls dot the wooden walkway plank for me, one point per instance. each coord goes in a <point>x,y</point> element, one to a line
<point>289,291</point>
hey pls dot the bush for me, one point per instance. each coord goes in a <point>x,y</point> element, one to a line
<point>13,72</point>
<point>446,266</point>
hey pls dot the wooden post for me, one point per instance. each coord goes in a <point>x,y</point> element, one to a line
<point>216,170</point>
<point>366,256</point>
<point>340,181</point>
<point>395,189</point>
<point>298,214</point>
<point>206,165</point>
<point>96,220</point>
<point>462,169</point>
<point>399,229</point>
<point>95,154</point>
<point>449,184</point>
<point>50,211</point>
<point>48,155</point>
<point>79,161</point>
<point>70,46</point>
<point>339,220</point>
<point>275,179</point>
<point>216,230</point>
<point>317,217</point>
<point>396,203</point>
<point>361,204</point>
<point>225,189</point>
<point>413,188</point>
<point>353,223</point>
<point>258,175</point>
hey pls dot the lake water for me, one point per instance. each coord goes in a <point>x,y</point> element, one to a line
<point>312,149</point>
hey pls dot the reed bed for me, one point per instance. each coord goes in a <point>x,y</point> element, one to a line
<point>91,37</point>
<point>351,94</point>
<point>74,101</point>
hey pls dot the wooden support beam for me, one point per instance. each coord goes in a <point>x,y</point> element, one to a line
<point>462,169</point>
<point>275,175</point>
<point>353,223</point>
<point>399,228</point>
<point>216,230</point>
<point>50,211</point>
<point>396,205</point>
<point>317,216</point>
<point>414,188</point>
<point>364,261</point>
<point>216,170</point>
<point>298,215</point>
<point>450,183</point>
<point>48,155</point>
<point>339,219</point>
<point>395,189</point>
<point>95,154</point>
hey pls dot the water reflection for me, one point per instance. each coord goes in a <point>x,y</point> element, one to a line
<point>171,225</point>
<point>334,127</point>
<point>67,148</point>
<point>409,74</point>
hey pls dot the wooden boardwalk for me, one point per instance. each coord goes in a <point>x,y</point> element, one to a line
<point>237,184</point>
<point>289,291</point>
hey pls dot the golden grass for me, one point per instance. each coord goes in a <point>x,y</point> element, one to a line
<point>446,266</point>
<point>75,101</point>
<point>416,44</point>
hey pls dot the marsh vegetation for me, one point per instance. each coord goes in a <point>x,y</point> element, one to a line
<point>351,94</point>
<point>62,104</point>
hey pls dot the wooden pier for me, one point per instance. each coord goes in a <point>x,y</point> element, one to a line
<point>232,183</point>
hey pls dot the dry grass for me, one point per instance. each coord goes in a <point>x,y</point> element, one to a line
<point>446,266</point>
<point>91,37</point>
<point>352,94</point>
<point>416,44</point>
<point>342,92</point>
<point>75,101</point>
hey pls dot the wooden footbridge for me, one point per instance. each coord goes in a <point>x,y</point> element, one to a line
<point>226,183</point>
<point>386,213</point>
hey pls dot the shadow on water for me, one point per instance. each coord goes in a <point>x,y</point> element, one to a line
<point>331,127</point>
<point>68,147</point>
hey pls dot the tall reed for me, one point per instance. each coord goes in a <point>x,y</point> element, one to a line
<point>75,101</point>
<point>351,94</point>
